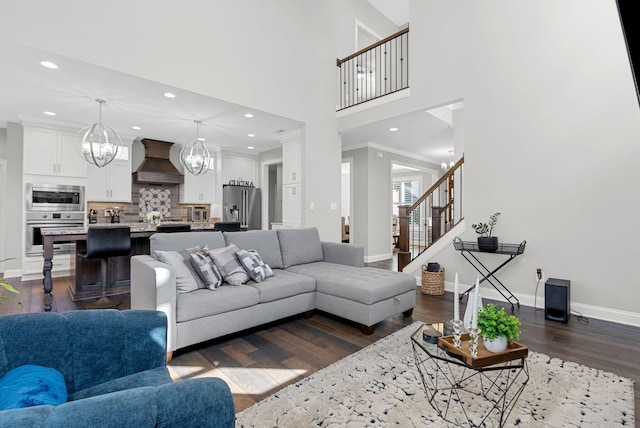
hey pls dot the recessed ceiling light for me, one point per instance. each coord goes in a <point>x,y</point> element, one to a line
<point>248,115</point>
<point>250,147</point>
<point>251,135</point>
<point>49,113</point>
<point>137,128</point>
<point>202,139</point>
<point>393,129</point>
<point>169,95</point>
<point>48,64</point>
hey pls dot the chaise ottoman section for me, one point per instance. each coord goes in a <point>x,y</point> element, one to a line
<point>363,295</point>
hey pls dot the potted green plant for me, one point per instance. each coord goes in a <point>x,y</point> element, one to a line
<point>487,242</point>
<point>497,328</point>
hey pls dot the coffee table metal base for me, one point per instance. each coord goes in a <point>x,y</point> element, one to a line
<point>481,395</point>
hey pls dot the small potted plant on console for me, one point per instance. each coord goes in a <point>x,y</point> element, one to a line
<point>497,328</point>
<point>486,242</point>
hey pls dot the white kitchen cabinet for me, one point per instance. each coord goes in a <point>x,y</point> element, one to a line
<point>291,162</point>
<point>52,152</point>
<point>198,189</point>
<point>292,205</point>
<point>237,167</point>
<point>292,201</point>
<point>111,183</point>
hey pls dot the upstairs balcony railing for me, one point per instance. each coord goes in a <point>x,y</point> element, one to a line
<point>431,216</point>
<point>378,70</point>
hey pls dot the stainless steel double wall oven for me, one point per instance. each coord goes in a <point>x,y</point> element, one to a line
<point>52,205</point>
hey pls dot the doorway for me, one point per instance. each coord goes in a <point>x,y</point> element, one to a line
<point>272,194</point>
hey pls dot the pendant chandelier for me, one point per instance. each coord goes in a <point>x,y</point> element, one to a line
<point>195,156</point>
<point>444,165</point>
<point>100,144</point>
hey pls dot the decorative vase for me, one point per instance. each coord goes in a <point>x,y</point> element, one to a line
<point>488,244</point>
<point>499,344</point>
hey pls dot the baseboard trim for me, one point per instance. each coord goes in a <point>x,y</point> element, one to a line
<point>377,257</point>
<point>589,311</point>
<point>13,273</point>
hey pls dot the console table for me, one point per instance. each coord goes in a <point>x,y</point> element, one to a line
<point>468,248</point>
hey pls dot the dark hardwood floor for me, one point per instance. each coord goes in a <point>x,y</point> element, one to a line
<point>258,362</point>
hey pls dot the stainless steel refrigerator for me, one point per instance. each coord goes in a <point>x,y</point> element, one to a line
<point>243,204</point>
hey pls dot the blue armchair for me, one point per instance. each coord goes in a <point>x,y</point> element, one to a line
<point>114,366</point>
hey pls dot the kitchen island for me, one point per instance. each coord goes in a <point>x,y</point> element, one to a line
<point>84,279</point>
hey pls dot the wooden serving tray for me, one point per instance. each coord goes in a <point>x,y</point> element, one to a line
<point>484,358</point>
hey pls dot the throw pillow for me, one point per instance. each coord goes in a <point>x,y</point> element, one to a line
<point>207,269</point>
<point>300,246</point>
<point>32,385</point>
<point>231,269</point>
<point>257,269</point>
<point>187,279</point>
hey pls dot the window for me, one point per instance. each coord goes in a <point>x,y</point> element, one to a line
<point>406,191</point>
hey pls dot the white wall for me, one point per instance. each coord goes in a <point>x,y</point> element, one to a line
<point>3,143</point>
<point>345,195</point>
<point>3,186</point>
<point>550,130</point>
<point>12,234</point>
<point>551,138</point>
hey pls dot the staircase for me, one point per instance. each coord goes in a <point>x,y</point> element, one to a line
<point>424,223</point>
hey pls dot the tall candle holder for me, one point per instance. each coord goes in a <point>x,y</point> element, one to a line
<point>457,332</point>
<point>474,334</point>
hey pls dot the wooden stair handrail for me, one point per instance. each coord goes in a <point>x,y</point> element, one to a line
<point>437,184</point>
<point>373,46</point>
<point>404,212</point>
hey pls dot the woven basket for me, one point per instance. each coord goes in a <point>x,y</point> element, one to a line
<point>432,282</point>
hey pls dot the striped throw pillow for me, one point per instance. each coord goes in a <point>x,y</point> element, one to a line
<point>257,269</point>
<point>207,269</point>
<point>231,269</point>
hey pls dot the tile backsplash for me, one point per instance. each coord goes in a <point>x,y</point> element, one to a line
<point>165,197</point>
<point>154,199</point>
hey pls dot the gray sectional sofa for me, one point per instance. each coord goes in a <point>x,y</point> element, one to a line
<point>308,274</point>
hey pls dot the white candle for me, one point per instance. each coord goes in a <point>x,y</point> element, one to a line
<point>474,322</point>
<point>456,305</point>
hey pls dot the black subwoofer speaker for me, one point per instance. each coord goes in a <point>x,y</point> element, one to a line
<point>557,297</point>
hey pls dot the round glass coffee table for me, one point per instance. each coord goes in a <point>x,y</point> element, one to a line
<point>465,389</point>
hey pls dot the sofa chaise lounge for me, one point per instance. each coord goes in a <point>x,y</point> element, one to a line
<point>308,274</point>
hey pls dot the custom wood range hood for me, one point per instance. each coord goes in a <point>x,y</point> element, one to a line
<point>156,168</point>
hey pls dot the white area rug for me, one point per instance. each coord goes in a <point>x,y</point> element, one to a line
<point>380,386</point>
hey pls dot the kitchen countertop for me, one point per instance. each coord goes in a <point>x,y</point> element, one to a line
<point>135,227</point>
<point>139,231</point>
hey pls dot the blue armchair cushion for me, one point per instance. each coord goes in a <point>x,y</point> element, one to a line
<point>152,377</point>
<point>32,385</point>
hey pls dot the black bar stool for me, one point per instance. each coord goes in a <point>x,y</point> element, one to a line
<point>170,228</point>
<point>227,226</point>
<point>103,243</point>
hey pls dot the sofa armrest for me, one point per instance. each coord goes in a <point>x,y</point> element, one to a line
<point>153,286</point>
<point>189,403</point>
<point>345,254</point>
